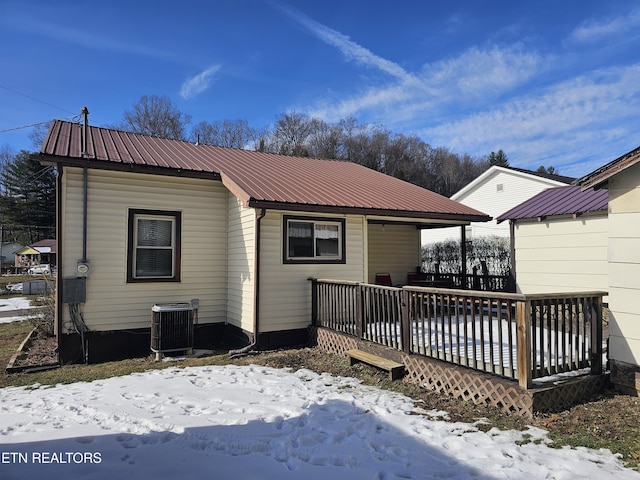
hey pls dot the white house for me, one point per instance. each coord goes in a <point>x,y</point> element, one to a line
<point>494,192</point>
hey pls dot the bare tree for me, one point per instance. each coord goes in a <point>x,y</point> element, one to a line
<point>290,134</point>
<point>325,141</point>
<point>403,156</point>
<point>261,139</point>
<point>157,116</point>
<point>225,133</point>
<point>7,154</point>
<point>412,159</point>
<point>367,146</point>
<point>38,134</point>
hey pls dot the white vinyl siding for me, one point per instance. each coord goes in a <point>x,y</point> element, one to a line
<point>624,265</point>
<point>241,259</point>
<point>562,255</point>
<point>285,291</point>
<point>393,249</point>
<point>487,197</point>
<point>111,302</point>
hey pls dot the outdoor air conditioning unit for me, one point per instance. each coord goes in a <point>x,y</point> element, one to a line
<point>171,328</point>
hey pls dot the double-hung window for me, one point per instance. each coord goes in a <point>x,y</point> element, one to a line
<point>311,240</point>
<point>154,246</point>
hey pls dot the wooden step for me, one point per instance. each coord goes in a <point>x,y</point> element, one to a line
<point>395,369</point>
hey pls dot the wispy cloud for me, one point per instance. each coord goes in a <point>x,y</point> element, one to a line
<point>595,30</point>
<point>478,72</point>
<point>408,93</point>
<point>196,85</point>
<point>476,76</point>
<point>540,126</point>
<point>350,49</point>
<point>475,101</point>
<point>84,38</point>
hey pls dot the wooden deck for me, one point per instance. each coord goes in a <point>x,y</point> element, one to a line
<point>533,343</point>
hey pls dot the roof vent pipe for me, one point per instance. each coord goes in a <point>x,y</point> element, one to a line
<point>85,128</point>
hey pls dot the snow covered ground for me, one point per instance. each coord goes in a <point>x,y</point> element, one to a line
<point>11,304</point>
<point>235,422</point>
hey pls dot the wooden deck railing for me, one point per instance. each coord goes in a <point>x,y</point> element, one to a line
<point>475,281</point>
<point>522,337</point>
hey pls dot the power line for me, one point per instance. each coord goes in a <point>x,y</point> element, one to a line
<point>36,99</point>
<point>25,126</point>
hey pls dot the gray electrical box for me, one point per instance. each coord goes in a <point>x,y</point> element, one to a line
<point>74,290</point>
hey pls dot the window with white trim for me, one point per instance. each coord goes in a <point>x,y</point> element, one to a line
<point>311,240</point>
<point>154,246</point>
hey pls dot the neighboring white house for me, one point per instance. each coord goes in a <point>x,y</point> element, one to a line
<point>494,192</point>
<point>559,241</point>
<point>621,178</point>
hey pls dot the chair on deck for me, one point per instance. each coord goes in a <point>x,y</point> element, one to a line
<point>384,279</point>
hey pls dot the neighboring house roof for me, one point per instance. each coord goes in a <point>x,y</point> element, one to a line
<point>569,200</point>
<point>600,176</point>
<point>548,176</point>
<point>27,251</point>
<point>551,180</point>
<point>45,246</point>
<point>259,180</point>
<point>11,247</point>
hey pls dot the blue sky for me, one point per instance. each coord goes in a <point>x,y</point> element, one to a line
<point>554,83</point>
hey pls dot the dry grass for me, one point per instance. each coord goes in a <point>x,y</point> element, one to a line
<point>611,421</point>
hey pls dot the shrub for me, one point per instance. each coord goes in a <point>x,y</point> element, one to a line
<point>44,317</point>
<point>445,257</point>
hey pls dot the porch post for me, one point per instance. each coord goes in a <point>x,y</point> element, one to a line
<point>523,323</point>
<point>463,255</point>
<point>314,301</point>
<point>512,254</point>
<point>596,335</point>
<point>359,310</point>
<point>405,321</point>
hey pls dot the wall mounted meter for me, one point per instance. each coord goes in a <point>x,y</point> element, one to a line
<point>82,269</point>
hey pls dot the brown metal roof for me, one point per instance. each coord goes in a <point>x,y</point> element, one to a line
<point>49,243</point>
<point>569,200</point>
<point>259,180</point>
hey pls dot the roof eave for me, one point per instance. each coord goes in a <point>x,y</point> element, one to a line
<point>600,177</point>
<point>555,215</point>
<point>352,210</point>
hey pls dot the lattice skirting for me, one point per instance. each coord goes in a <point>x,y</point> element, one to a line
<point>471,385</point>
<point>468,385</point>
<point>330,341</point>
<point>560,397</point>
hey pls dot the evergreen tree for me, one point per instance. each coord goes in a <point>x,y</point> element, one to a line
<point>550,170</point>
<point>500,159</point>
<point>27,200</point>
